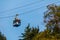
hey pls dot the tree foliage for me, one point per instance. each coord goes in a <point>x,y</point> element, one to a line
<point>52,18</point>
<point>2,37</point>
<point>52,24</point>
<point>29,33</point>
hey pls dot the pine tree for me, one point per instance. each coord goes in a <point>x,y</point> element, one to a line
<point>29,33</point>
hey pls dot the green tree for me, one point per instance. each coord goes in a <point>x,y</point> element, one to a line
<point>52,24</point>
<point>2,37</point>
<point>52,18</point>
<point>29,33</point>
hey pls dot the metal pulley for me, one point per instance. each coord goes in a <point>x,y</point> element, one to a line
<point>16,21</point>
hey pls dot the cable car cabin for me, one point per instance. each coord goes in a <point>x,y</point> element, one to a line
<point>16,22</point>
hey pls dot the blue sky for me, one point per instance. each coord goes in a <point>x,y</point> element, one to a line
<point>23,7</point>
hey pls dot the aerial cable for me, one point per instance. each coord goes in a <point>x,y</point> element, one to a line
<point>22,6</point>
<point>29,11</point>
<point>21,13</point>
<point>17,22</point>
